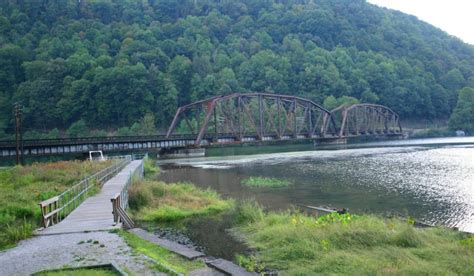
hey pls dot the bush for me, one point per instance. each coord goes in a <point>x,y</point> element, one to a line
<point>78,129</point>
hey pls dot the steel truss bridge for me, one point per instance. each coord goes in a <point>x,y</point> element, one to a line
<point>235,118</point>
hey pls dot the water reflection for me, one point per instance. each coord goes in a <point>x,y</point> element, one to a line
<point>433,184</point>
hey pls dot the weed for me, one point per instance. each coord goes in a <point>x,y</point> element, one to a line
<point>79,271</point>
<point>150,168</point>
<point>17,232</point>
<point>248,212</point>
<point>298,244</point>
<point>166,260</point>
<point>260,182</point>
<point>157,201</point>
<point>250,263</point>
<point>22,187</point>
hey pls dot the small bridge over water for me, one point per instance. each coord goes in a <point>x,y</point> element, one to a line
<point>232,119</point>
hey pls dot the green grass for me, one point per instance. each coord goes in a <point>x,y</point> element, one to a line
<point>270,182</point>
<point>298,244</point>
<point>23,187</point>
<point>80,272</point>
<point>166,261</point>
<point>150,168</point>
<point>160,202</point>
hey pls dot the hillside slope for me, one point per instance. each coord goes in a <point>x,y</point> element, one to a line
<point>109,62</point>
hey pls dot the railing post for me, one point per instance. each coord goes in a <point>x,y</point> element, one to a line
<point>53,210</point>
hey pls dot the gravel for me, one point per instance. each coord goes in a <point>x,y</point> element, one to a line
<point>76,249</point>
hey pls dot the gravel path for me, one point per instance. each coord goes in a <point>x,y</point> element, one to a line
<point>75,249</point>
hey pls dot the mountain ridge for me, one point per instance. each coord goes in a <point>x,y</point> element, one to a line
<point>108,63</point>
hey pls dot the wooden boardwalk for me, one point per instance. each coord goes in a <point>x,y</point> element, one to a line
<point>95,213</point>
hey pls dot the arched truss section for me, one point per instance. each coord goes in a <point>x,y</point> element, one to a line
<point>366,119</point>
<point>253,116</point>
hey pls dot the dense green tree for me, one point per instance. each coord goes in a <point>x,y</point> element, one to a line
<point>78,129</point>
<point>463,115</point>
<point>148,125</point>
<point>180,72</point>
<point>110,62</point>
<point>121,94</point>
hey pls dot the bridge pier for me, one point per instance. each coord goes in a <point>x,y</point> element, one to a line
<point>331,141</point>
<point>170,153</point>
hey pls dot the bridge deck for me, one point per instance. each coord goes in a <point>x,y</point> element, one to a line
<point>95,213</point>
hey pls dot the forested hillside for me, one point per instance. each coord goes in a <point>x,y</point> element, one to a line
<point>107,63</point>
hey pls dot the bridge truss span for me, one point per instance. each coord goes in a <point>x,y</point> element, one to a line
<point>366,119</point>
<point>235,118</point>
<point>244,117</point>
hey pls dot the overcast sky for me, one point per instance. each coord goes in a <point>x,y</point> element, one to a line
<point>455,17</point>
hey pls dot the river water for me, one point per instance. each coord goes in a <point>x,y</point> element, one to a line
<point>431,180</point>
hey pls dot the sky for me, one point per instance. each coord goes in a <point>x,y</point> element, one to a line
<point>455,17</point>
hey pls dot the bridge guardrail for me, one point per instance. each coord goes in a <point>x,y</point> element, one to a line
<point>120,200</point>
<point>132,139</point>
<point>55,209</point>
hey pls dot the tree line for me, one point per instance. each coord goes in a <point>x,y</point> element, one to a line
<point>107,64</point>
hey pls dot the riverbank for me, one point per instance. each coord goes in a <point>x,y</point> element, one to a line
<point>427,179</point>
<point>23,187</point>
<point>120,249</point>
<point>298,244</point>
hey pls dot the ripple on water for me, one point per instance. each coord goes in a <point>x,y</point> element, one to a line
<point>434,184</point>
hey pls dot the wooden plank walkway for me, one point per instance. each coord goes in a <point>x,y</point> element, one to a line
<point>95,213</point>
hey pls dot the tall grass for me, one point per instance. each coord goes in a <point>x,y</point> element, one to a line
<point>23,187</point>
<point>354,245</point>
<point>161,202</point>
<point>150,168</point>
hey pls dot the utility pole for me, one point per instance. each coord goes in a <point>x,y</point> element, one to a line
<point>18,134</point>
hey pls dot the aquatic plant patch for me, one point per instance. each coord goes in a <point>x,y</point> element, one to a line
<point>261,182</point>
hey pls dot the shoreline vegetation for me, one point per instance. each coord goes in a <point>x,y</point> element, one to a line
<point>159,202</point>
<point>23,187</point>
<point>165,260</point>
<point>298,244</point>
<point>155,201</point>
<point>289,241</point>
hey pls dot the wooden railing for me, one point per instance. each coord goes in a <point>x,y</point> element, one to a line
<point>120,200</point>
<point>55,209</point>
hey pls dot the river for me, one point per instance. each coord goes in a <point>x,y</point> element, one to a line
<point>431,180</point>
